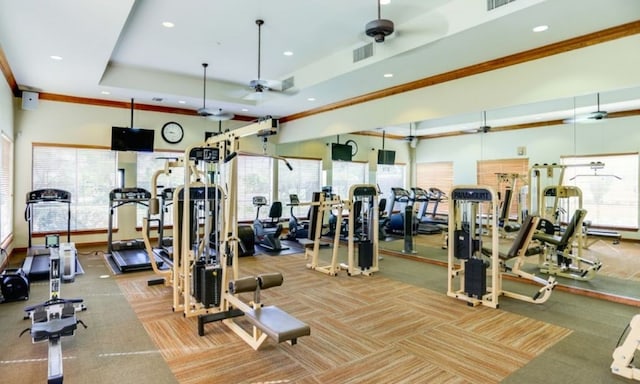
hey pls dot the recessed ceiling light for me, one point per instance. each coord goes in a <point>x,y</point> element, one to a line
<point>105,92</point>
<point>388,75</point>
<point>384,2</point>
<point>287,53</point>
<point>311,99</point>
<point>55,57</point>
<point>182,102</point>
<point>245,110</point>
<point>168,24</point>
<point>540,28</point>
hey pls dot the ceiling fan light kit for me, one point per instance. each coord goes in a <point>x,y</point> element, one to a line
<point>218,115</point>
<point>379,28</point>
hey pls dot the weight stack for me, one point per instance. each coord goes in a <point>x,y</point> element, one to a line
<point>14,285</point>
<point>475,278</point>
<point>211,289</point>
<point>365,254</point>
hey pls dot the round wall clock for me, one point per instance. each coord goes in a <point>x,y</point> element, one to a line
<point>172,132</point>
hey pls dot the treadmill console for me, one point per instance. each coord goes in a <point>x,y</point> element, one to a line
<point>49,194</point>
<point>129,194</point>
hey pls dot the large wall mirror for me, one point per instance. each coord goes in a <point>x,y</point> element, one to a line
<point>480,146</point>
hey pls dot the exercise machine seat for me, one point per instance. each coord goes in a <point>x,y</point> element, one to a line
<point>275,213</point>
<point>561,242</point>
<point>519,242</point>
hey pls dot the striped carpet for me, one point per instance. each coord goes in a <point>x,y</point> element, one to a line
<point>363,330</point>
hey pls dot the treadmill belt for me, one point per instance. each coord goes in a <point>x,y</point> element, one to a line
<point>132,260</point>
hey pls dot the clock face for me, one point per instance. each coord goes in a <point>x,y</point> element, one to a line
<point>172,132</point>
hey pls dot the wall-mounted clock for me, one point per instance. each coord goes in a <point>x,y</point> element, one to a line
<point>172,132</point>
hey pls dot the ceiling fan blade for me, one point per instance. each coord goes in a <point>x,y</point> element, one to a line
<point>255,95</point>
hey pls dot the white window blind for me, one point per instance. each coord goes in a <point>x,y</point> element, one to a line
<point>390,176</point>
<point>6,188</point>
<point>347,173</point>
<point>610,193</point>
<point>255,178</point>
<point>88,174</point>
<point>303,180</point>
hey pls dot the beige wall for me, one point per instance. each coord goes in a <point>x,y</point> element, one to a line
<point>67,123</point>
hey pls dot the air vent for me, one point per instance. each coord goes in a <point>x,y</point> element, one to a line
<point>493,4</point>
<point>363,52</point>
<point>287,83</point>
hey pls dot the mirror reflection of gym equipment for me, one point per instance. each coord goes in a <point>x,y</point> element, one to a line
<point>401,221</point>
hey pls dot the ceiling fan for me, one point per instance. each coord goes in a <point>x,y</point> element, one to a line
<point>411,138</point>
<point>217,115</point>
<point>379,28</point>
<point>592,117</point>
<point>260,85</point>
<point>484,128</point>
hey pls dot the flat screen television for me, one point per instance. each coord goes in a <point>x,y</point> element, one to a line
<point>386,156</point>
<point>132,139</point>
<point>341,152</point>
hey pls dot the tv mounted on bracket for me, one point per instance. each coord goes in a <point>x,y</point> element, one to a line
<point>386,157</point>
<point>340,152</point>
<point>132,139</point>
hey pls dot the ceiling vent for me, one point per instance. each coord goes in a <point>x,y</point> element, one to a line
<point>287,83</point>
<point>363,52</point>
<point>493,4</point>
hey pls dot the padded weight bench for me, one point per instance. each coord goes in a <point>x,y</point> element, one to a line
<point>277,324</point>
<point>270,321</point>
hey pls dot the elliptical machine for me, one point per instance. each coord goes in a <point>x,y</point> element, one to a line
<point>267,233</point>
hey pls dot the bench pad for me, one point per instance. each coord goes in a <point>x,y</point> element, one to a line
<point>277,324</point>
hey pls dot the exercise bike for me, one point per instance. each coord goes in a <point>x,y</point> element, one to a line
<point>267,233</point>
<point>298,229</point>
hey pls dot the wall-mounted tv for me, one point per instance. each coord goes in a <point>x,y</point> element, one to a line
<point>132,139</point>
<point>386,156</point>
<point>341,152</point>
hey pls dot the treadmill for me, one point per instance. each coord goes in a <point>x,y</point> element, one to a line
<point>36,263</point>
<point>128,255</point>
<point>425,224</point>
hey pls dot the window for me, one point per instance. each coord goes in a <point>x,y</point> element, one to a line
<point>610,191</point>
<point>346,174</point>
<point>303,180</point>
<point>6,188</point>
<point>147,164</point>
<point>390,176</point>
<point>502,174</point>
<point>89,174</point>
<point>255,178</point>
<point>436,175</point>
